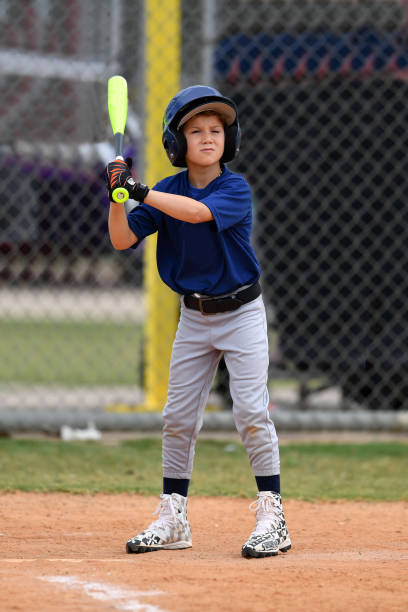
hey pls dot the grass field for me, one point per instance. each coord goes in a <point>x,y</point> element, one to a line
<point>69,353</point>
<point>75,353</point>
<point>367,471</point>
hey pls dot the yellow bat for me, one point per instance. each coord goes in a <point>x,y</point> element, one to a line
<point>118,107</point>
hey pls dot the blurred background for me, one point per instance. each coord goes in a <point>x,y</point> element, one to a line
<point>321,87</point>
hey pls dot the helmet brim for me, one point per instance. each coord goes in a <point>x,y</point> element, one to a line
<point>226,112</point>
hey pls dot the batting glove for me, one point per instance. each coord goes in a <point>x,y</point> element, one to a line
<point>117,174</point>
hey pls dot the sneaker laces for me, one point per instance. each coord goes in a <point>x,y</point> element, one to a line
<point>167,514</point>
<point>268,511</point>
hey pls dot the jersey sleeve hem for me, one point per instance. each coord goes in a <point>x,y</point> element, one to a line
<point>215,214</point>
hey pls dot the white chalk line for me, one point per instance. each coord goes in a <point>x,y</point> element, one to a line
<point>118,597</point>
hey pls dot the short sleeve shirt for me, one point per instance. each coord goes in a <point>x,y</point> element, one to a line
<point>211,258</point>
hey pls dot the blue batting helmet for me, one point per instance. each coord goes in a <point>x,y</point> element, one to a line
<point>187,103</point>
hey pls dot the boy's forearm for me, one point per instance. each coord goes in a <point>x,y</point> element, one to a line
<point>120,233</point>
<point>179,207</point>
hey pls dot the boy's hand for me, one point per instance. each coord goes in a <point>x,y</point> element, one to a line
<point>117,174</point>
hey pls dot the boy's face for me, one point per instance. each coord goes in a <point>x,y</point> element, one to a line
<point>205,140</point>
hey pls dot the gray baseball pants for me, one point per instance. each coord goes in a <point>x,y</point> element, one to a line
<point>200,341</point>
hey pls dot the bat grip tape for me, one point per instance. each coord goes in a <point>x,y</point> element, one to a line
<point>119,144</point>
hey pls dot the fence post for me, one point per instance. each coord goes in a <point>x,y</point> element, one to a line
<point>162,81</point>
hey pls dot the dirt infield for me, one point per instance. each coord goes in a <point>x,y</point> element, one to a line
<point>66,552</point>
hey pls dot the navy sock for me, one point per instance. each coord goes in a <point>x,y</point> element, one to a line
<point>176,485</point>
<point>268,483</point>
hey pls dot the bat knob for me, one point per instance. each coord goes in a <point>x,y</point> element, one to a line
<point>120,195</point>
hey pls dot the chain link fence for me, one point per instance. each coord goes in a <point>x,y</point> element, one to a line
<point>321,89</point>
<point>71,308</point>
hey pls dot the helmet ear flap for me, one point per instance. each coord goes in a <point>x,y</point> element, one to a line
<point>180,159</point>
<point>231,146</point>
<point>175,145</point>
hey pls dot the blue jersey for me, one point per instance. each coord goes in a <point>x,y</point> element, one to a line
<point>211,258</point>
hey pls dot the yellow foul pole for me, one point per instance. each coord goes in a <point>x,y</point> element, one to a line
<point>162,78</point>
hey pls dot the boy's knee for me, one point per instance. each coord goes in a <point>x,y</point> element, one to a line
<point>175,429</point>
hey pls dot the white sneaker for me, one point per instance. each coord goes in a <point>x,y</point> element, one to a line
<point>170,531</point>
<point>271,534</point>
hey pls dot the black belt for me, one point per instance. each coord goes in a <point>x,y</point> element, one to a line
<point>214,305</point>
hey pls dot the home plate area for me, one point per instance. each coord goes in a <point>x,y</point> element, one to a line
<point>67,552</point>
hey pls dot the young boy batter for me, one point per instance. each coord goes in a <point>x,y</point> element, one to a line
<point>203,218</point>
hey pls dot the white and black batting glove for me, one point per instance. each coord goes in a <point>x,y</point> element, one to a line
<point>117,174</point>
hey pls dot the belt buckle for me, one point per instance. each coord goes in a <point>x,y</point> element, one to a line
<point>200,305</point>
